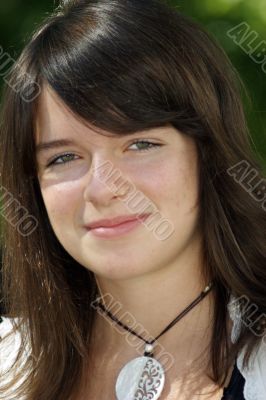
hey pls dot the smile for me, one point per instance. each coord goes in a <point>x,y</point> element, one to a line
<point>117,230</point>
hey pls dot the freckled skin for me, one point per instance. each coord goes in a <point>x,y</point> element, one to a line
<point>74,196</point>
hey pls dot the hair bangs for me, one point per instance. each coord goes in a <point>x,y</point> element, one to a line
<point>110,78</point>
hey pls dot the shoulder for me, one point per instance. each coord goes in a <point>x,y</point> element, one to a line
<point>10,342</point>
<point>254,373</point>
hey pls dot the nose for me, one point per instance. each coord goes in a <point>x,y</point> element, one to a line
<point>106,179</point>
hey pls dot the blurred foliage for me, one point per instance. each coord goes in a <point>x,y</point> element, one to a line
<point>18,18</point>
<point>218,17</point>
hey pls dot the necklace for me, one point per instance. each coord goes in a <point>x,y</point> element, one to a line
<point>143,377</point>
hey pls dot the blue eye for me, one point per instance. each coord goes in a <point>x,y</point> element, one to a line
<point>145,142</point>
<point>68,156</point>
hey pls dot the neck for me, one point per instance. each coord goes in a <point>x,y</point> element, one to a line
<point>147,304</point>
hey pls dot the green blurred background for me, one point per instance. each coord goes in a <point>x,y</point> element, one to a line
<point>19,17</point>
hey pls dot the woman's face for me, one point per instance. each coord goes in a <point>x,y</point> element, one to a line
<point>75,194</point>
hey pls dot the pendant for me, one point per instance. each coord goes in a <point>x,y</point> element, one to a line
<point>140,379</point>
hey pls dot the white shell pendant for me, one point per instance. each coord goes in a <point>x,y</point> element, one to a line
<point>140,379</point>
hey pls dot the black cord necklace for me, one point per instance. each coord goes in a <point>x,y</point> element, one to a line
<point>143,377</point>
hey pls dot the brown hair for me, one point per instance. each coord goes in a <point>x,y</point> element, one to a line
<point>123,66</point>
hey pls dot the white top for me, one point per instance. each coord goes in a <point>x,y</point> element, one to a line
<point>255,374</point>
<point>8,351</point>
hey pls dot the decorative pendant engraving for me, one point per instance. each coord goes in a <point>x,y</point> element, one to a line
<point>141,379</point>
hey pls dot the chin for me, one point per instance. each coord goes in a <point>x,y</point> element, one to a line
<point>116,272</point>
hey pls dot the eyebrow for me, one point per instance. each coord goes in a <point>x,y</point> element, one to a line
<point>54,144</point>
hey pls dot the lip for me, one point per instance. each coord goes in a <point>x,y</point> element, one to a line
<point>111,222</point>
<point>115,228</point>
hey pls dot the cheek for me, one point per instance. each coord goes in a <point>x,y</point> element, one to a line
<point>60,199</point>
<point>171,177</point>
<point>177,184</point>
<point>170,184</point>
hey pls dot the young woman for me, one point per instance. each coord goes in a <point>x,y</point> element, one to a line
<point>133,213</point>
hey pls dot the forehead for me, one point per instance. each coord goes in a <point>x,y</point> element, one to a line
<point>54,120</point>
